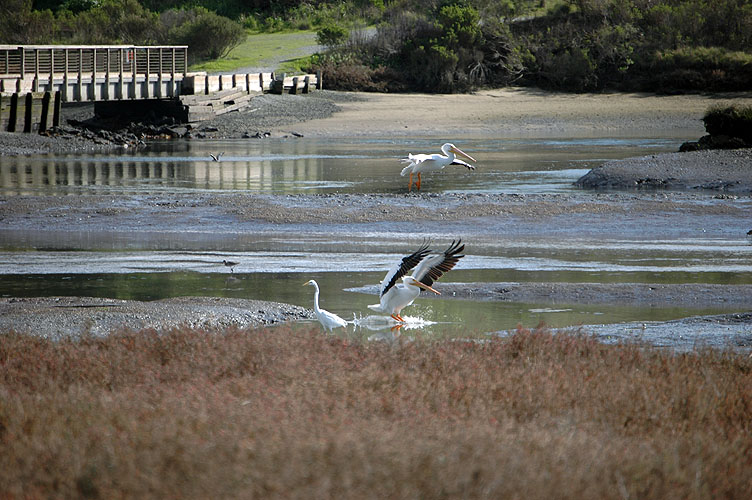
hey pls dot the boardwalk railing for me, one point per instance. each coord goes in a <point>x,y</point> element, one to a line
<point>93,73</point>
<point>35,80</point>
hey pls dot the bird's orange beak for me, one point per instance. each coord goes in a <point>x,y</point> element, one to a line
<point>458,151</point>
<point>425,287</point>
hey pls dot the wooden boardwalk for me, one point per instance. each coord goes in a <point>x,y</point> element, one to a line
<point>35,80</point>
<point>86,73</point>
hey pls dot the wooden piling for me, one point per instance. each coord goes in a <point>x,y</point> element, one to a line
<point>28,112</point>
<point>57,109</point>
<point>44,117</point>
<point>13,113</point>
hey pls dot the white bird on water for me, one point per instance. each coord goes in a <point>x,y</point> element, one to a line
<point>216,157</point>
<point>394,296</point>
<point>328,320</point>
<point>430,163</point>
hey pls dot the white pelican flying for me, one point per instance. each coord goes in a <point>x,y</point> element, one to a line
<point>328,320</point>
<point>395,295</point>
<point>429,163</point>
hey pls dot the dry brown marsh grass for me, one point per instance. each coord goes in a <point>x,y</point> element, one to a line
<point>285,413</point>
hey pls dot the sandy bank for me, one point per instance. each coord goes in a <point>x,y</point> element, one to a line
<point>516,112</point>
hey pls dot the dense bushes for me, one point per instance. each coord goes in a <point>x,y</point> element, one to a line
<point>439,45</point>
<point>731,121</point>
<point>447,50</point>
<point>575,45</point>
<point>119,21</point>
<point>640,45</point>
<point>208,35</point>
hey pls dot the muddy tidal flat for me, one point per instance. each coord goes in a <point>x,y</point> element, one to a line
<point>658,196</point>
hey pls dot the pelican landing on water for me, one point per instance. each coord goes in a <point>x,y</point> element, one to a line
<point>399,290</point>
<point>430,163</point>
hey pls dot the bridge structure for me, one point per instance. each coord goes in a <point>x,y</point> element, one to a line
<point>36,80</point>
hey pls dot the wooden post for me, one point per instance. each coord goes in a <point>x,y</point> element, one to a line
<point>306,84</point>
<point>159,77</point>
<point>45,112</point>
<point>173,84</point>
<point>56,110</point>
<point>107,75</point>
<point>65,76</point>
<point>23,67</point>
<point>294,88</point>
<point>13,115</point>
<point>36,71</point>
<point>93,74</point>
<point>319,82</point>
<point>121,53</point>
<point>51,85</point>
<point>28,112</point>
<point>80,75</point>
<point>134,62</point>
<point>148,91</point>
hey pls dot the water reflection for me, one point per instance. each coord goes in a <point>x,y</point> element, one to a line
<point>440,316</point>
<point>310,165</point>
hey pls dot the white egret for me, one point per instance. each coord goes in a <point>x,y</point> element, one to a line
<point>430,163</point>
<point>328,320</point>
<point>399,290</point>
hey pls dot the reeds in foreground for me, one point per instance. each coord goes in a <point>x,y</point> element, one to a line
<point>285,413</point>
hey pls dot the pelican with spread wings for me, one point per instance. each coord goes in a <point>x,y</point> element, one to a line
<point>430,163</point>
<point>399,289</point>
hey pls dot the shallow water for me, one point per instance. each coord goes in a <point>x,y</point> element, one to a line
<point>319,166</point>
<point>159,264</point>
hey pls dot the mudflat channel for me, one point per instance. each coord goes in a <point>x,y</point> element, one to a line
<point>704,229</point>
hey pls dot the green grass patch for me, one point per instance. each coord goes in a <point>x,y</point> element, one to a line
<point>276,50</point>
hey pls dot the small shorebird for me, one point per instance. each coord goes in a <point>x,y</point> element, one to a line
<point>217,157</point>
<point>229,264</point>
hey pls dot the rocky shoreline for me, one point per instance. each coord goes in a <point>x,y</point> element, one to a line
<point>83,132</point>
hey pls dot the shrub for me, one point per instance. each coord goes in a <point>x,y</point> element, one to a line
<point>20,24</point>
<point>699,68</point>
<point>731,121</point>
<point>207,35</point>
<point>332,34</point>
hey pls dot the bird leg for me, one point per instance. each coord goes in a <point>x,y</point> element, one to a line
<point>410,185</point>
<point>418,184</point>
<point>397,317</point>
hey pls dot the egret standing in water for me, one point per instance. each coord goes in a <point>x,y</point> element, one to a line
<point>399,290</point>
<point>431,163</point>
<point>328,320</point>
